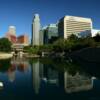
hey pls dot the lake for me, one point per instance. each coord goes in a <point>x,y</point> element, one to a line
<point>46,78</point>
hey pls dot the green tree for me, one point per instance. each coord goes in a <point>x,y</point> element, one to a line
<point>97,37</point>
<point>5,45</point>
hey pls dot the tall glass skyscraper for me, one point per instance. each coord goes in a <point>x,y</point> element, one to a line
<point>36,30</point>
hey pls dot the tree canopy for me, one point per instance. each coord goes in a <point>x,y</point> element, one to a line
<point>5,45</point>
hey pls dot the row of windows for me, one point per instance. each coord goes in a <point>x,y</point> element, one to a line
<point>71,27</point>
<point>77,30</point>
<point>68,21</point>
<point>83,28</point>
<point>68,32</point>
<point>79,23</point>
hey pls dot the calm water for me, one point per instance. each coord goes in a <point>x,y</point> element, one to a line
<point>35,79</point>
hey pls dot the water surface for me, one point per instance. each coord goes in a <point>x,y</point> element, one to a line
<point>35,79</point>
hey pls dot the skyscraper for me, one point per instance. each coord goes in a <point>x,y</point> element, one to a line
<point>11,34</point>
<point>52,32</point>
<point>36,30</point>
<point>74,25</point>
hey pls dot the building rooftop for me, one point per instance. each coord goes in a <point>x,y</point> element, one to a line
<point>76,18</point>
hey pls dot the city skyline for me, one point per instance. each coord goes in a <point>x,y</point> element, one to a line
<point>20,13</point>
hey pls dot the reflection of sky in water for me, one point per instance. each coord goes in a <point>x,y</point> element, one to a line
<point>36,79</point>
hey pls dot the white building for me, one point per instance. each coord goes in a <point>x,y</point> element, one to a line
<point>36,30</point>
<point>74,25</point>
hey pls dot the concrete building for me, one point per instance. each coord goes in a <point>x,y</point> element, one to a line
<point>36,30</point>
<point>23,39</point>
<point>11,34</point>
<point>74,25</point>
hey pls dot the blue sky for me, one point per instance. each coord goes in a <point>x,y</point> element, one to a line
<point>20,13</point>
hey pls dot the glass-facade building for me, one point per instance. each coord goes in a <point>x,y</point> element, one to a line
<point>50,33</point>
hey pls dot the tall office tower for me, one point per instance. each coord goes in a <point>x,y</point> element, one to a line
<point>36,30</point>
<point>74,25</point>
<point>12,30</point>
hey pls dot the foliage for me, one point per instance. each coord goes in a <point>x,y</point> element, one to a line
<point>4,65</point>
<point>5,45</point>
<point>97,38</point>
<point>68,45</point>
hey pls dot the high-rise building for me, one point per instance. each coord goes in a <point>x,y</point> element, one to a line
<point>45,35</point>
<point>11,34</point>
<point>12,30</point>
<point>74,25</point>
<point>52,31</point>
<point>36,30</point>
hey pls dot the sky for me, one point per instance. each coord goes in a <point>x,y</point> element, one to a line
<point>20,13</point>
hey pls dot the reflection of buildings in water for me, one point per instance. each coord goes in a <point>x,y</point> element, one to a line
<point>11,76</point>
<point>49,75</point>
<point>11,73</point>
<point>77,82</point>
<point>17,64</point>
<point>42,72</point>
<point>21,64</point>
<point>23,67</point>
<point>36,76</point>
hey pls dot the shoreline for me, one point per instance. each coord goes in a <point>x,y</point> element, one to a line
<point>5,55</point>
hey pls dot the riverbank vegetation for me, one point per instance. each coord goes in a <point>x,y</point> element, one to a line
<point>72,43</point>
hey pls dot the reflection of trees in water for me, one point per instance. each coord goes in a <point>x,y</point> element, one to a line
<point>68,75</point>
<point>62,65</point>
<point>5,65</point>
<point>91,68</point>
